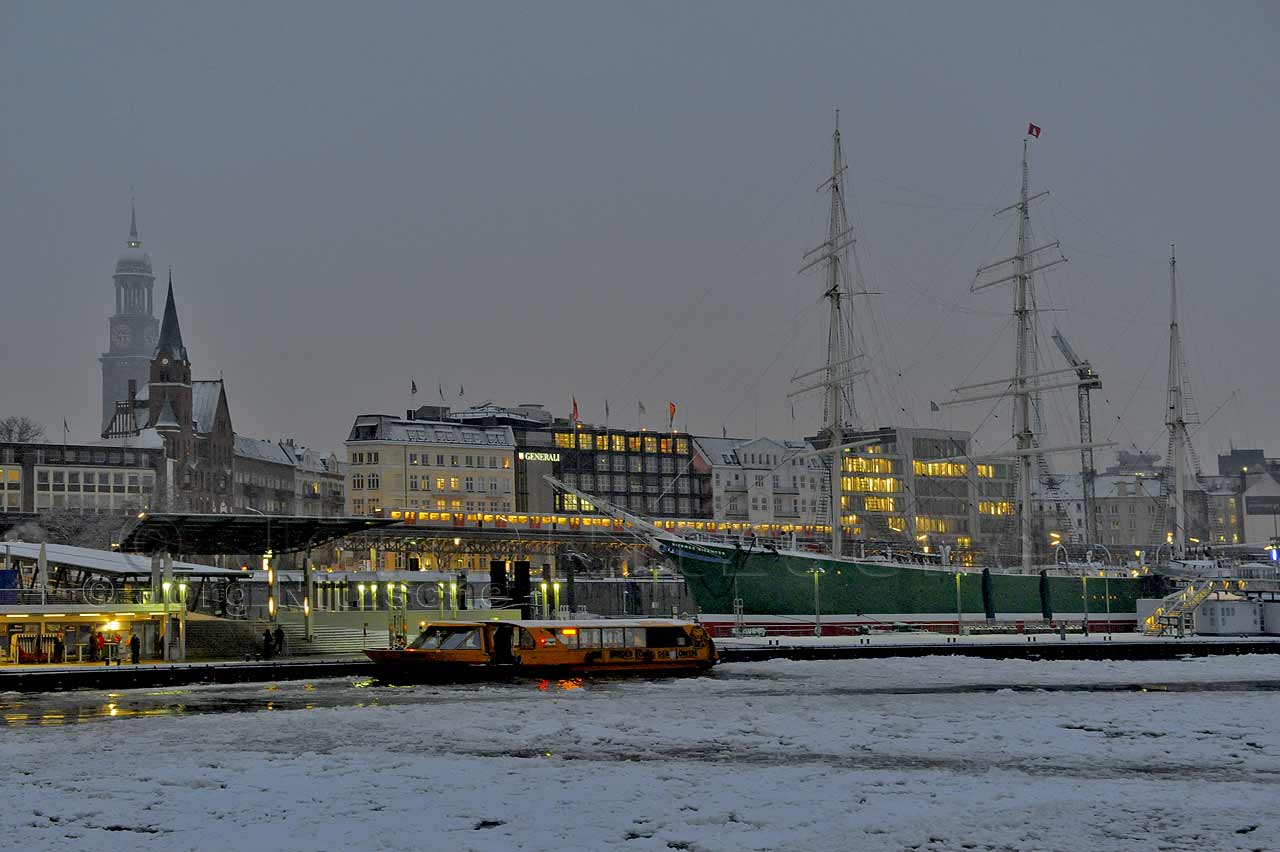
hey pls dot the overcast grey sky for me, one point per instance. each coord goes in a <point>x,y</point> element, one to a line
<point>542,200</point>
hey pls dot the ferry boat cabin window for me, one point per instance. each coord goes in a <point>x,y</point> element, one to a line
<point>461,640</point>
<point>634,637</point>
<point>447,639</point>
<point>667,637</point>
<point>526,640</point>
<point>612,637</point>
<point>589,637</point>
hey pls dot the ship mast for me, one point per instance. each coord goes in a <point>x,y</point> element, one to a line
<point>1175,419</point>
<point>1025,385</point>
<point>1021,390</point>
<point>838,376</point>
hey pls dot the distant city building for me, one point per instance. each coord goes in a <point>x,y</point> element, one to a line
<point>319,481</point>
<point>652,473</point>
<point>133,326</point>
<point>82,477</point>
<point>765,481</point>
<point>188,419</point>
<point>428,465</point>
<point>922,485</point>
<point>265,476</point>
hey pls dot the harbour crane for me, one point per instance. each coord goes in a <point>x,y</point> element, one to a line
<point>1088,381</point>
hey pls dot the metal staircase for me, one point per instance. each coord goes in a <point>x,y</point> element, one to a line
<point>1174,611</point>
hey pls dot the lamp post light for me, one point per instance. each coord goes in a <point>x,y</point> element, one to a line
<point>1084,594</point>
<point>182,621</point>
<point>440,598</point>
<point>1106,593</point>
<point>545,602</point>
<point>453,598</point>
<point>360,590</point>
<point>817,608</point>
<point>959,608</point>
<point>166,586</point>
<point>555,590</point>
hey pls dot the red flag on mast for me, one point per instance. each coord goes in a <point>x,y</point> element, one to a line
<point>671,420</point>
<point>575,409</point>
<point>1033,130</point>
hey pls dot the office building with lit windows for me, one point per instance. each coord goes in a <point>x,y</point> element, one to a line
<point>922,486</point>
<point>653,473</point>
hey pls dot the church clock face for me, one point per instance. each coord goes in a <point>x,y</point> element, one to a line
<point>120,335</point>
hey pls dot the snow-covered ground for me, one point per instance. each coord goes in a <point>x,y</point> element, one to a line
<point>848,755</point>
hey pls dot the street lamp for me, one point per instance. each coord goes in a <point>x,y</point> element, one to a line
<point>959,609</point>
<point>166,586</point>
<point>817,609</point>
<point>555,590</point>
<point>543,587</point>
<point>440,598</point>
<point>182,622</point>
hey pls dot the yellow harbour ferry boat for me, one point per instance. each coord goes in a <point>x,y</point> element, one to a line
<point>490,650</point>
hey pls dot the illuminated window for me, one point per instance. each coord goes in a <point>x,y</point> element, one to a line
<point>995,507</point>
<point>650,444</point>
<point>856,464</point>
<point>602,442</point>
<point>930,525</point>
<point>883,484</point>
<point>440,484</point>
<point>877,504</point>
<point>564,440</point>
<point>618,443</point>
<point>633,443</point>
<point>986,471</point>
<point>453,483</point>
<point>682,446</point>
<point>940,468</point>
<point>897,524</point>
<point>665,445</point>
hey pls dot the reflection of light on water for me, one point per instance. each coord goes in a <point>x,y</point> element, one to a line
<point>561,685</point>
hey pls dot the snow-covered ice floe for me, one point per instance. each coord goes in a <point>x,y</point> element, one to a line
<point>930,753</point>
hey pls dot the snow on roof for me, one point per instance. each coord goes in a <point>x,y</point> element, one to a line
<point>726,451</point>
<point>204,404</point>
<point>104,561</point>
<point>146,439</point>
<point>262,449</point>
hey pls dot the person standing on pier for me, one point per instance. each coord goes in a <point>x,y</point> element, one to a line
<point>135,648</point>
<point>268,644</point>
<point>279,640</point>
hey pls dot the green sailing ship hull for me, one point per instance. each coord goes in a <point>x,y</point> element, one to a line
<point>782,583</point>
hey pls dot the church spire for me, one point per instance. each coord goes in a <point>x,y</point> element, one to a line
<point>134,242</point>
<point>170,334</point>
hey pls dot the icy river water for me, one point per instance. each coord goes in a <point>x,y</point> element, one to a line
<point>930,753</point>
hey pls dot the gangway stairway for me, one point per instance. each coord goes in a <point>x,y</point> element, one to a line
<point>1174,611</point>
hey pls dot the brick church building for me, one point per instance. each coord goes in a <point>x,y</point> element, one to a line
<point>188,418</point>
